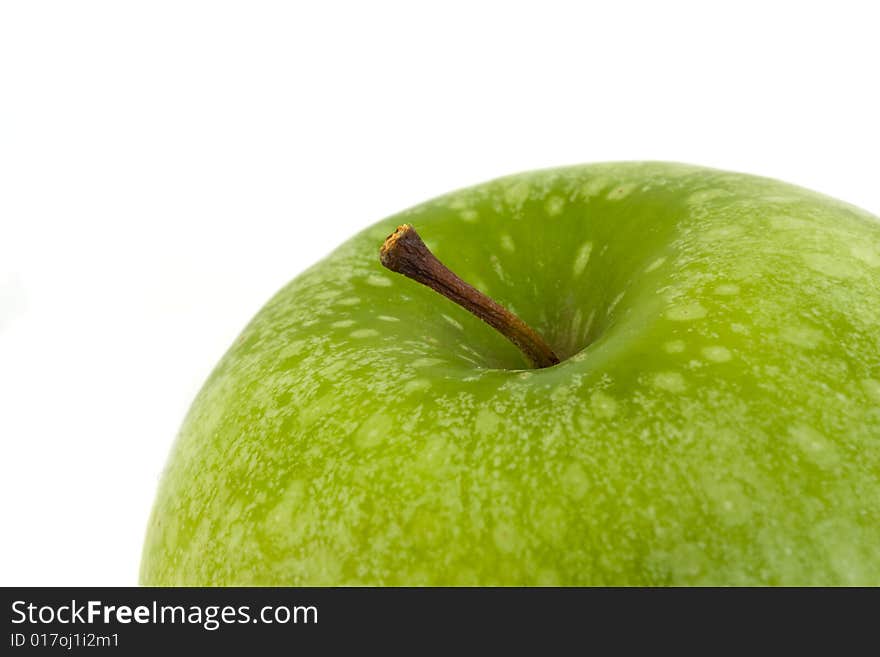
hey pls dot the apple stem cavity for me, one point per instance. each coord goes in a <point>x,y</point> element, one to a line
<point>404,252</point>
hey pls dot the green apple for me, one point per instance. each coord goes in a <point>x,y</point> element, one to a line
<point>714,419</point>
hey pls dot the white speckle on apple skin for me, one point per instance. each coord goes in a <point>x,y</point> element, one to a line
<point>655,264</point>
<point>378,280</point>
<point>547,578</point>
<point>486,421</point>
<point>582,258</point>
<point>727,289</point>
<point>621,191</point>
<point>616,300</point>
<point>814,446</point>
<point>716,353</point>
<point>416,385</point>
<point>594,187</point>
<point>674,346</point>
<point>833,265</point>
<point>376,429</point>
<point>507,243</point>
<point>343,323</point>
<point>872,389</point>
<point>470,215</point>
<point>426,362</point>
<point>388,318</point>
<point>669,381</point>
<point>867,253</point>
<point>726,233</point>
<point>575,481</point>
<point>603,405</point>
<point>703,197</point>
<point>727,497</point>
<point>586,330</point>
<point>365,333</point>
<point>517,193</point>
<point>686,312</point>
<point>506,537</point>
<point>497,267</point>
<point>801,335</point>
<point>554,206</point>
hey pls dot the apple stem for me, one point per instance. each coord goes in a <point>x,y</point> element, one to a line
<point>404,252</point>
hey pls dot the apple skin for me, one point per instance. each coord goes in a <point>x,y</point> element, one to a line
<point>716,420</point>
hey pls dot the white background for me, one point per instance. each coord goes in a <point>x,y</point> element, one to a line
<point>166,166</point>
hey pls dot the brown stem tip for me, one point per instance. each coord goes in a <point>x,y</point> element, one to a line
<point>404,252</point>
